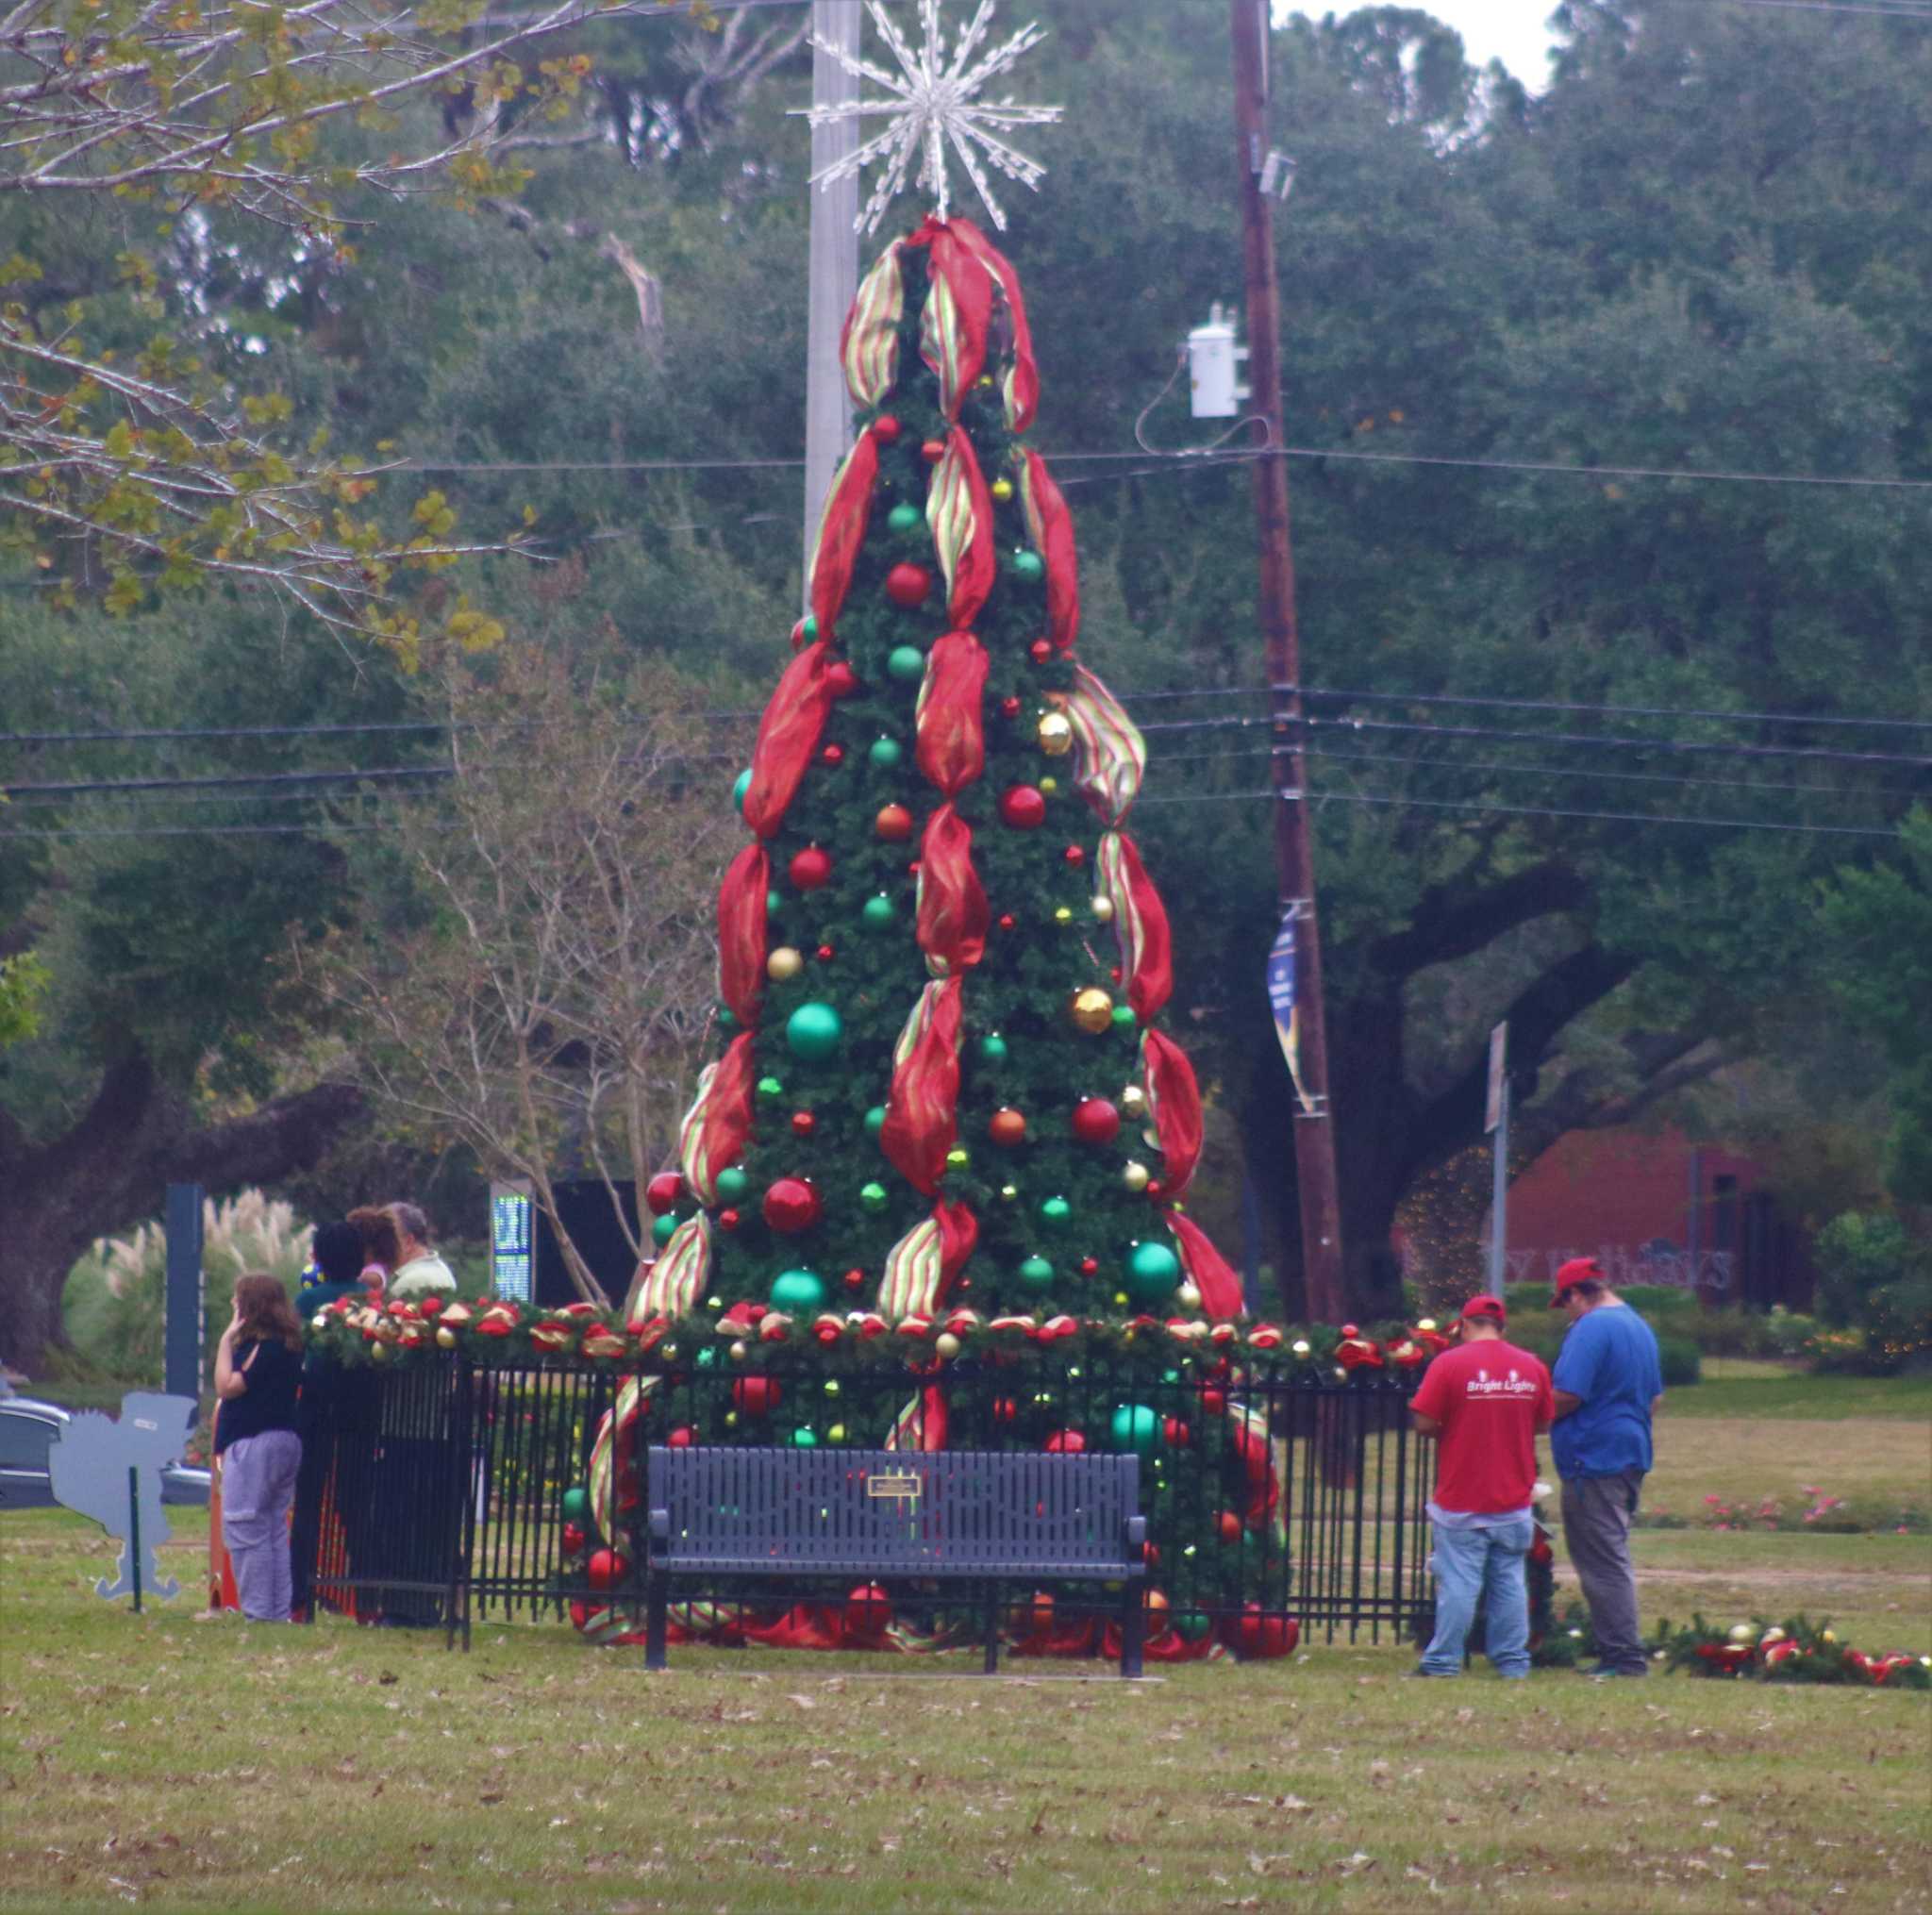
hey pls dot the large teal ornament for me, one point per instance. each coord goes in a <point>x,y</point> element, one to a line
<point>812,1032</point>
<point>1028,565</point>
<point>1055,1212</point>
<point>661,1228</point>
<point>739,788</point>
<point>906,664</point>
<point>875,1120</point>
<point>1153,1271</point>
<point>886,752</point>
<point>576,1505</point>
<point>904,517</point>
<point>732,1184</point>
<point>1036,1274</point>
<point>795,1291</point>
<point>878,913</point>
<point>804,1438</point>
<point>1136,1427</point>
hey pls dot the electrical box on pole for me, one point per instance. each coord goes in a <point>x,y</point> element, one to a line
<point>1214,387</point>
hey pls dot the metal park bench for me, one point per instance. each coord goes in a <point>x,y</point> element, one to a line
<point>972,1516</point>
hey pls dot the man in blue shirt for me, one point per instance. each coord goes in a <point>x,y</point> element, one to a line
<point>1607,1383</point>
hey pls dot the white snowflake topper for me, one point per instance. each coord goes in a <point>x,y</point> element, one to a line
<point>934,101</point>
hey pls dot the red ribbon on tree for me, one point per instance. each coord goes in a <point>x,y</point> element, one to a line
<point>1021,385</point>
<point>958,509</point>
<point>1052,525</point>
<point>953,912</point>
<point>1208,1271</point>
<point>1152,982</point>
<point>959,1239</point>
<point>1177,1100</point>
<point>922,1120</point>
<point>741,932</point>
<point>958,315</point>
<point>841,532</point>
<point>788,736</point>
<point>724,1124</point>
<point>951,743</point>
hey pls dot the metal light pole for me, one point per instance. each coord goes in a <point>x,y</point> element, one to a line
<point>1314,1130</point>
<point>834,269</point>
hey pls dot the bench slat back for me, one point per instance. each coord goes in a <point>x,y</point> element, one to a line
<point>948,1513</point>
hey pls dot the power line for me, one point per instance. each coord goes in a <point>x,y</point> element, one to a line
<point>1319,797</point>
<point>1607,710</point>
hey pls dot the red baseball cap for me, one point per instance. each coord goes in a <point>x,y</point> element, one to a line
<point>1485,1308</point>
<point>1578,1269</point>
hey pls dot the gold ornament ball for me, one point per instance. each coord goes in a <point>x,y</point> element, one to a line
<point>1103,910</point>
<point>1301,1347</point>
<point>1133,1100</point>
<point>380,1351</point>
<point>957,1157</point>
<point>836,1434</point>
<point>986,381</point>
<point>784,962</point>
<point>730,1419</point>
<point>738,1353</point>
<point>1002,488</point>
<point>1151,1138</point>
<point>1055,732</point>
<point>1091,1009</point>
<point>1742,1632</point>
<point>1061,915</point>
<point>1425,1324</point>
<point>446,1337</point>
<point>1048,787</point>
<point>946,1344</point>
<point>1188,1297</point>
<point>318,1322</point>
<point>1135,1175</point>
<point>1010,1192</point>
<point>669,1352</point>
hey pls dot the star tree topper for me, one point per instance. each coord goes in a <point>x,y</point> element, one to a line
<point>935,101</point>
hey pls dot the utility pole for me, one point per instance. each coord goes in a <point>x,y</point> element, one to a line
<point>1314,1129</point>
<point>834,270</point>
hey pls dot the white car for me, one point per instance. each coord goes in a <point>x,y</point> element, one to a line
<point>27,1432</point>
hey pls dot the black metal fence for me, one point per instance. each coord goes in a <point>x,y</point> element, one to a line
<point>1273,1491</point>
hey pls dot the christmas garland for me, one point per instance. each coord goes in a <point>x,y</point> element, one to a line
<point>1796,1650</point>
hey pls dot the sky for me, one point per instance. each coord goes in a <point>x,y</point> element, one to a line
<point>1510,30</point>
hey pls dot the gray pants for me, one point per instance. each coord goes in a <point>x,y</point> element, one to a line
<point>1596,1531</point>
<point>258,1489</point>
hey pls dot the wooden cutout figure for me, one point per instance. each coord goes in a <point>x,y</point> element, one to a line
<point>88,1467</point>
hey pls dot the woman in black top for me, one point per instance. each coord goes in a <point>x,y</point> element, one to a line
<point>258,1370</point>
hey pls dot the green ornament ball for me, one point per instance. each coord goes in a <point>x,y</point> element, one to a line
<point>993,1048</point>
<point>803,1438</point>
<point>740,787</point>
<point>1036,1274</point>
<point>1055,1212</point>
<point>775,902</point>
<point>904,517</point>
<point>795,1291</point>
<point>661,1228</point>
<point>727,1018</point>
<point>809,628</point>
<point>812,1032</point>
<point>873,1197</point>
<point>906,664</point>
<point>1189,1624</point>
<point>769,1088</point>
<point>1137,1428</point>
<point>875,1120</point>
<point>1124,1018</point>
<point>1153,1271</point>
<point>1028,565</point>
<point>706,1355</point>
<point>576,1505</point>
<point>732,1184</point>
<point>886,752</point>
<point>878,913</point>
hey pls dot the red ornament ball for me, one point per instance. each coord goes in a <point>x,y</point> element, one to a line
<point>756,1395</point>
<point>812,869</point>
<point>1177,1434</point>
<point>1005,1410</point>
<point>663,1192</point>
<point>790,1205</point>
<point>1006,1126</point>
<point>885,428</point>
<point>824,953</point>
<point>802,1124</point>
<point>1089,1266</point>
<point>573,1538</point>
<point>1010,706</point>
<point>842,681</point>
<point>1212,1403</point>
<point>1023,807</point>
<point>855,1279</point>
<point>933,451</point>
<point>1066,1443</point>
<point>833,755</point>
<point>893,823</point>
<point>868,1609</point>
<point>1074,854</point>
<point>1006,921</point>
<point>1257,1635</point>
<point>1227,1525</point>
<point>1096,1121</point>
<point>1034,1616</point>
<point>1039,651</point>
<point>605,1568</point>
<point>907,584</point>
<point>728,1220</point>
<point>1349,1330</point>
<point>681,1438</point>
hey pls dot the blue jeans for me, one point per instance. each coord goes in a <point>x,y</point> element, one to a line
<point>1482,1565</point>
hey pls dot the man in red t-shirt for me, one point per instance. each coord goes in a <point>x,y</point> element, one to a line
<point>1484,1401</point>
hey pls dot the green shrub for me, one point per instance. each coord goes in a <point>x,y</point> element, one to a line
<point>1680,1361</point>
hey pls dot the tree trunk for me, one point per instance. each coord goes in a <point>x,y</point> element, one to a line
<point>112,1169</point>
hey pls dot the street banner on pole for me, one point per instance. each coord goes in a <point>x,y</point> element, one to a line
<point>1499,1049</point>
<point>1281,995</point>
